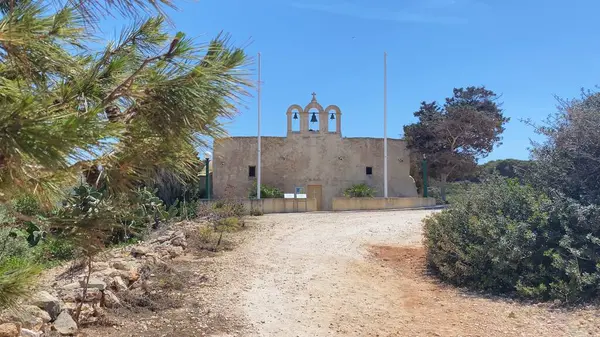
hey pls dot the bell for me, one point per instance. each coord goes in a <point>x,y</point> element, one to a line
<point>332,117</point>
<point>313,119</point>
<point>295,115</point>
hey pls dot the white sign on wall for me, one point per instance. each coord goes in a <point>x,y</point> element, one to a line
<point>289,195</point>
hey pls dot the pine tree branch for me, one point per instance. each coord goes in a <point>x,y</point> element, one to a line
<point>126,85</point>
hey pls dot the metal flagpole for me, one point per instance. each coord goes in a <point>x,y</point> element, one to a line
<point>258,159</point>
<point>385,152</point>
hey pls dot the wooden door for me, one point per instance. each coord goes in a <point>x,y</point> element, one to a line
<point>316,192</point>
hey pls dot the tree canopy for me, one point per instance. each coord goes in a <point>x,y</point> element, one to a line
<point>569,160</point>
<point>143,103</point>
<point>107,121</point>
<point>454,135</point>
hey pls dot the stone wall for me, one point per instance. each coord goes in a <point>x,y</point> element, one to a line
<point>363,204</point>
<point>300,160</point>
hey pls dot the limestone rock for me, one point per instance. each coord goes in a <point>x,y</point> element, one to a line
<point>179,240</point>
<point>30,333</point>
<point>119,284</point>
<point>29,316</point>
<point>65,325</point>
<point>94,283</point>
<point>139,251</point>
<point>108,272</point>
<point>99,266</point>
<point>175,251</point>
<point>162,251</point>
<point>163,238</point>
<point>111,300</point>
<point>70,307</point>
<point>44,300</point>
<point>133,276</point>
<point>123,265</point>
<point>76,295</point>
<point>10,330</point>
<point>71,286</point>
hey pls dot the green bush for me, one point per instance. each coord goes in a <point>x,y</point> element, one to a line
<point>453,190</point>
<point>359,191</point>
<point>27,205</point>
<point>266,192</point>
<point>6,217</point>
<point>52,250</point>
<point>171,189</point>
<point>504,237</point>
<point>13,243</point>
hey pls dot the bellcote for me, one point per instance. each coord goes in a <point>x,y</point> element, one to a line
<point>313,118</point>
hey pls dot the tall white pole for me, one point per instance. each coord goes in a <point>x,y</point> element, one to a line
<point>385,152</point>
<point>258,159</point>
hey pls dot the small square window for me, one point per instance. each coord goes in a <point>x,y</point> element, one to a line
<point>369,170</point>
<point>251,171</point>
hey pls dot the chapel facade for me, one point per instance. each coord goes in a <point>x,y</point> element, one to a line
<point>313,159</point>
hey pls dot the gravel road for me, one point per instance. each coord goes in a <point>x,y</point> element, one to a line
<point>359,274</point>
<point>311,276</point>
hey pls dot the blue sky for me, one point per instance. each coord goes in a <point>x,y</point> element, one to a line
<point>527,51</point>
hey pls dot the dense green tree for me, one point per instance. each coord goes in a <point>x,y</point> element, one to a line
<point>454,135</point>
<point>509,168</point>
<point>117,116</point>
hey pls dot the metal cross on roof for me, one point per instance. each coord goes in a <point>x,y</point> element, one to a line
<point>314,95</point>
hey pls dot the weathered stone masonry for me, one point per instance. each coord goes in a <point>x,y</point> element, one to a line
<point>310,159</point>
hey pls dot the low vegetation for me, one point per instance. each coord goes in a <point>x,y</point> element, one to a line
<point>534,238</point>
<point>224,216</point>
<point>98,144</point>
<point>266,192</point>
<point>359,191</point>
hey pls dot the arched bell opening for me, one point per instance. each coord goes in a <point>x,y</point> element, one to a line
<point>296,121</point>
<point>331,123</point>
<point>335,119</point>
<point>295,115</point>
<point>313,121</point>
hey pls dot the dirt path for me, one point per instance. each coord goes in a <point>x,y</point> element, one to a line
<point>311,277</point>
<point>362,274</point>
<point>339,274</point>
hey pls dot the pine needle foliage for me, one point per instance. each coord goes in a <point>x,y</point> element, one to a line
<point>17,278</point>
<point>112,117</point>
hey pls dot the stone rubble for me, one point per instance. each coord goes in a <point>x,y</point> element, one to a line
<point>65,325</point>
<point>30,333</point>
<point>54,309</point>
<point>10,330</point>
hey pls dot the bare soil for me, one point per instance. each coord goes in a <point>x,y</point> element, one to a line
<point>335,274</point>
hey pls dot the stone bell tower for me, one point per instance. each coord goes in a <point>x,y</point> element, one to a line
<point>321,115</point>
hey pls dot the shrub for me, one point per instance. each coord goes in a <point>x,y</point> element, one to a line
<point>504,237</point>
<point>27,205</point>
<point>13,243</point>
<point>53,249</point>
<point>266,192</point>
<point>170,188</point>
<point>221,209</point>
<point>6,217</point>
<point>359,191</point>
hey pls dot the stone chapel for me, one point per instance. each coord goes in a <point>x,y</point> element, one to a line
<point>311,159</point>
